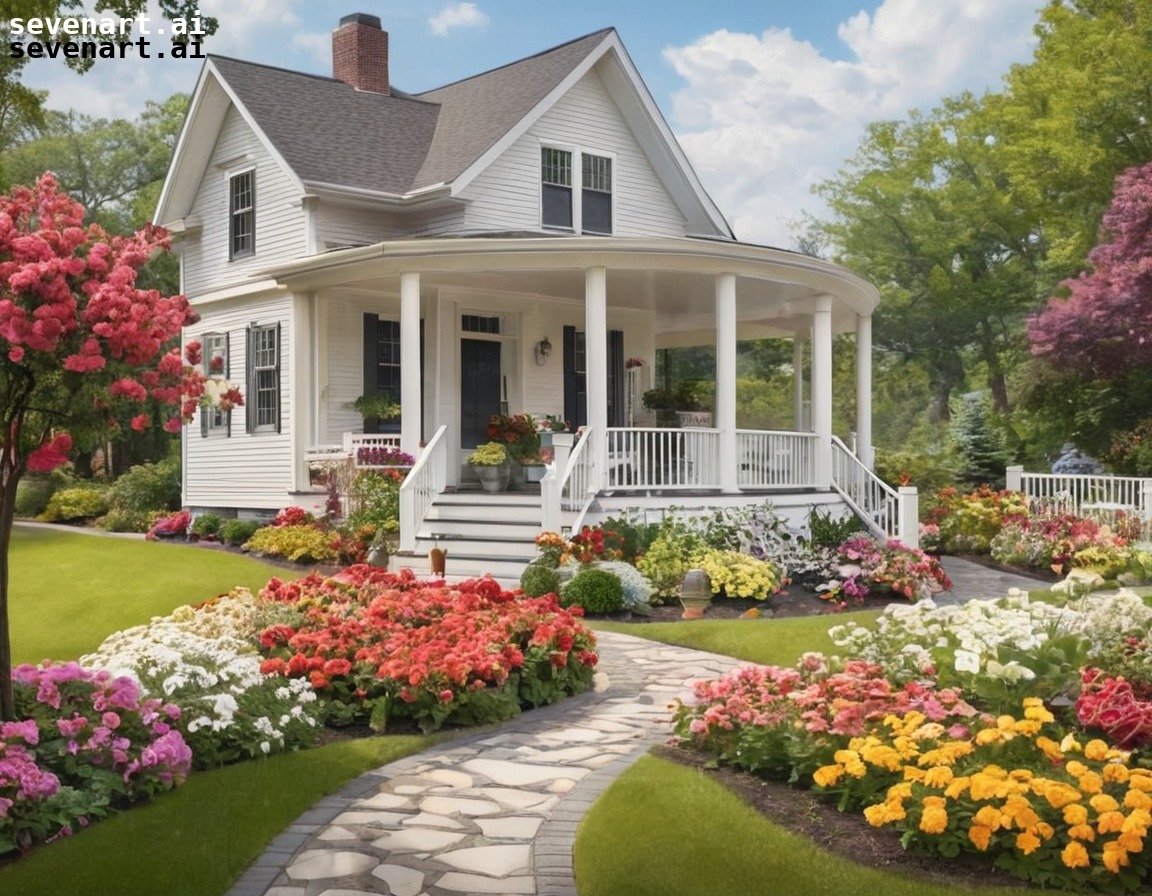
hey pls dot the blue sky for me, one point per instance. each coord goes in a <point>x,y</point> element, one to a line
<point>767,97</point>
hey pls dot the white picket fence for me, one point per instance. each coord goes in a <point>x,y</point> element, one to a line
<point>1101,497</point>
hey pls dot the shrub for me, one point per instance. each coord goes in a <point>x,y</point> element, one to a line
<point>667,558</point>
<point>148,487</point>
<point>826,531</point>
<point>206,526</point>
<point>538,580</point>
<point>116,520</point>
<point>237,532</point>
<point>637,588</point>
<point>33,494</point>
<point>374,499</point>
<point>739,575</point>
<point>300,544</point>
<point>76,503</point>
<point>968,522</point>
<point>172,526</point>
<point>596,590</point>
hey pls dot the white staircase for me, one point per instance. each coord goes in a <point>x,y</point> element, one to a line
<point>483,533</point>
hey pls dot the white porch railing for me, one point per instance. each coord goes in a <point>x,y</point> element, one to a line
<point>354,441</point>
<point>885,511</point>
<point>664,459</point>
<point>570,487</point>
<point>1100,496</point>
<point>776,459</point>
<point>424,482</point>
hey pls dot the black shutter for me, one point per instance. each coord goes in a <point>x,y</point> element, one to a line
<point>371,361</point>
<point>571,383</point>
<point>616,412</point>
<point>250,378</point>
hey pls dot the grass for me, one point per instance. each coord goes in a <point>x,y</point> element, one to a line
<point>69,591</point>
<point>196,840</point>
<point>662,829</point>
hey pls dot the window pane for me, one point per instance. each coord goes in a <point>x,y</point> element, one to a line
<point>597,173</point>
<point>242,216</point>
<point>597,211</point>
<point>556,167</point>
<point>557,211</point>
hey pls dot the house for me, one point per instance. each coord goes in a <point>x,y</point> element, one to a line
<point>501,243</point>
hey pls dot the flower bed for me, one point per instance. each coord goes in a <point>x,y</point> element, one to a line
<point>944,726</point>
<point>378,646</point>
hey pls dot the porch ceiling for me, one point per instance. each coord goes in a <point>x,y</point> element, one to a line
<point>776,291</point>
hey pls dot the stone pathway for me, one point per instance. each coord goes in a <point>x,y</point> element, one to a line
<point>496,812</point>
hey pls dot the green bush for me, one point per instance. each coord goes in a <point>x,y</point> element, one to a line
<point>538,579</point>
<point>207,525</point>
<point>148,487</point>
<point>32,495</point>
<point>76,503</point>
<point>120,520</point>
<point>825,531</point>
<point>596,590</point>
<point>237,532</point>
<point>373,499</point>
<point>300,544</point>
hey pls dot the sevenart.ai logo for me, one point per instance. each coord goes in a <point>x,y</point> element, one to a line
<point>79,37</point>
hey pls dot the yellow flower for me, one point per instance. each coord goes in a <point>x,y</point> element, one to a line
<point>1115,856</point>
<point>987,817</point>
<point>1074,855</point>
<point>882,756</point>
<point>934,820</point>
<point>877,815</point>
<point>1082,832</point>
<point>1027,727</point>
<point>1045,830</point>
<point>939,777</point>
<point>1138,820</point>
<point>1090,782</point>
<point>1075,768</point>
<point>1131,841</point>
<point>827,775</point>
<point>1027,842</point>
<point>1037,712</point>
<point>1075,814</point>
<point>1116,773</point>
<point>1050,748</point>
<point>1140,779</point>
<point>1056,793</point>
<point>1102,802</point>
<point>980,836</point>
<point>1137,799</point>
<point>957,788</point>
<point>985,786</point>
<point>845,756</point>
<point>1020,811</point>
<point>1110,822</point>
<point>901,791</point>
<point>1096,750</point>
<point>1070,744</point>
<point>993,736</point>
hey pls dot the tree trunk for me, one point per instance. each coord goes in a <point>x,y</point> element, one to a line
<point>9,477</point>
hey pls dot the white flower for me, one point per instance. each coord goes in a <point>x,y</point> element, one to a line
<point>967,661</point>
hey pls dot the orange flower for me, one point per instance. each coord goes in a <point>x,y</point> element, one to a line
<point>1027,842</point>
<point>1074,856</point>
<point>980,835</point>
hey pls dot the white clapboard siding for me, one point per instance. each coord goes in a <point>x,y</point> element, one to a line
<point>281,232</point>
<point>252,470</point>
<point>338,226</point>
<point>507,195</point>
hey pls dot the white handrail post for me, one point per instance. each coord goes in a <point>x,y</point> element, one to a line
<point>407,517</point>
<point>551,486</point>
<point>1014,477</point>
<point>908,516</point>
<point>1146,500</point>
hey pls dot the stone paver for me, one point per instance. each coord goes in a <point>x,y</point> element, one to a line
<point>496,813</point>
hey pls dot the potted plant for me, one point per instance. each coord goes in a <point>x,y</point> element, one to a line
<point>490,461</point>
<point>663,402</point>
<point>375,408</point>
<point>693,402</point>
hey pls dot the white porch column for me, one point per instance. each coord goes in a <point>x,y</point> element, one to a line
<point>725,409</point>
<point>864,390</point>
<point>302,383</point>
<point>822,389</point>
<point>410,373</point>
<point>596,363</point>
<point>803,422</point>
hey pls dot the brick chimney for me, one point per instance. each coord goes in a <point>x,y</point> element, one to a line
<point>360,53</point>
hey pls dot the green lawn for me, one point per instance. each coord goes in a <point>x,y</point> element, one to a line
<point>69,591</point>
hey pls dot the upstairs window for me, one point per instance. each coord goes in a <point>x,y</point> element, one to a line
<point>556,186</point>
<point>596,195</point>
<point>242,214</point>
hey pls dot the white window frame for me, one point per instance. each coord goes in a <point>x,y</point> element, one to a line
<point>262,371</point>
<point>577,186</point>
<point>250,213</point>
<point>215,420</point>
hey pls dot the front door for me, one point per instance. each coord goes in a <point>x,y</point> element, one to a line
<point>480,389</point>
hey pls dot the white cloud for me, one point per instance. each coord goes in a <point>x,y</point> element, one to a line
<point>459,15</point>
<point>764,118</point>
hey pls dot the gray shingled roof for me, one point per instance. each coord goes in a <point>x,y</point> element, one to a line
<point>329,132</point>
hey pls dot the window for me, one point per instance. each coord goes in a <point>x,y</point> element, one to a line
<point>588,212</point>
<point>556,179</point>
<point>596,195</point>
<point>474,323</point>
<point>242,214</point>
<point>263,398</point>
<point>214,359</point>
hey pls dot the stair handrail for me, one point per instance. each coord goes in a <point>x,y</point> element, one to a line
<point>887,512</point>
<point>420,487</point>
<point>569,490</point>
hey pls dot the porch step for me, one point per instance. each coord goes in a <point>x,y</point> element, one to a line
<point>484,534</point>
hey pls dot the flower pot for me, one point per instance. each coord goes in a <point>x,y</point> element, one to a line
<point>534,472</point>
<point>493,479</point>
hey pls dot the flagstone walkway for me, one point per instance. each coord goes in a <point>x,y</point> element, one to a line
<point>496,812</point>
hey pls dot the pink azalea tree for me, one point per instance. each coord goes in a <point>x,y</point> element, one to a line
<point>1103,328</point>
<point>79,343</point>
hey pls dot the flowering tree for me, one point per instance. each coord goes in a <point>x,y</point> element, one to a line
<point>1102,327</point>
<point>79,342</point>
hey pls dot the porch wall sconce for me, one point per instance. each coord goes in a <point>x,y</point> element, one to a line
<point>543,350</point>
